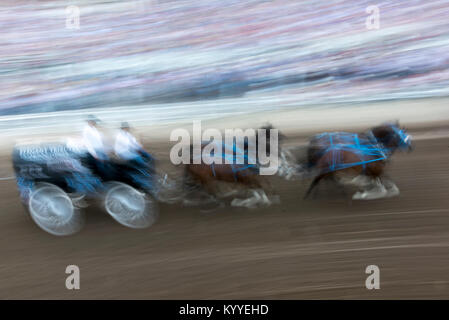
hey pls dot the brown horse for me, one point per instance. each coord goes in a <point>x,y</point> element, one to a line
<point>357,159</point>
<point>244,175</point>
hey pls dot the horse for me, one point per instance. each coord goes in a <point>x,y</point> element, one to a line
<point>357,159</point>
<point>244,174</point>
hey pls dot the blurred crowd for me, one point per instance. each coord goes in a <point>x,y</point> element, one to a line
<point>146,51</point>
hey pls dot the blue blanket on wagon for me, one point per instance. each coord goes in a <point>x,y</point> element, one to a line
<point>75,171</point>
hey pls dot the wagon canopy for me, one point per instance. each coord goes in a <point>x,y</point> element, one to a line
<point>45,152</point>
<point>48,161</point>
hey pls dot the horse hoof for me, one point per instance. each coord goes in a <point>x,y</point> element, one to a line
<point>358,196</point>
<point>248,203</point>
<point>393,191</point>
<point>370,195</point>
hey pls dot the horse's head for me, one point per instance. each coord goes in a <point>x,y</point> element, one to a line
<point>392,137</point>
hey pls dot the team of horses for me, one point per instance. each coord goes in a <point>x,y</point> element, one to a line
<point>355,160</point>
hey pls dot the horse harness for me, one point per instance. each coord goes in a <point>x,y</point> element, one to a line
<point>365,146</point>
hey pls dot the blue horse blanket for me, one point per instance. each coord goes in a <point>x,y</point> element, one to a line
<point>237,158</point>
<point>366,148</point>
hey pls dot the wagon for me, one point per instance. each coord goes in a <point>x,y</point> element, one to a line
<point>56,182</point>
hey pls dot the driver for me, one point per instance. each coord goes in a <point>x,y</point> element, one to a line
<point>127,147</point>
<point>93,141</point>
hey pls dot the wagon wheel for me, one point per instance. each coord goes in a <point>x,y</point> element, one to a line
<point>129,206</point>
<point>52,210</point>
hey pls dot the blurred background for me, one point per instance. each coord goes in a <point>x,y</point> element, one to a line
<point>307,66</point>
<point>156,51</point>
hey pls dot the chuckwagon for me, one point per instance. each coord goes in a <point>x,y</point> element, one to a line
<point>56,182</point>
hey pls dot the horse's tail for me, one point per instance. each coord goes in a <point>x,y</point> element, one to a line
<point>314,184</point>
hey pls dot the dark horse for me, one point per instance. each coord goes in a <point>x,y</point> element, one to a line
<point>245,174</point>
<point>357,159</point>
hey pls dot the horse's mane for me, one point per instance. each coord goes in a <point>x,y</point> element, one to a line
<point>383,133</point>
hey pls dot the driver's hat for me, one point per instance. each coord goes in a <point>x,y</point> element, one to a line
<point>92,118</point>
<point>124,125</point>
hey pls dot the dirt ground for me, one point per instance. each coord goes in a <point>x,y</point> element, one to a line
<point>317,248</point>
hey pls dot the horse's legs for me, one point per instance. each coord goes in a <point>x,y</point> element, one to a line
<point>391,187</point>
<point>258,196</point>
<point>376,191</point>
<point>256,190</point>
<point>198,188</point>
<point>249,202</point>
<point>231,191</point>
<point>189,181</point>
<point>261,185</point>
<point>264,197</point>
<point>370,186</point>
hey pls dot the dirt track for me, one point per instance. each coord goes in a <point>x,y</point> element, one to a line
<point>300,249</point>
